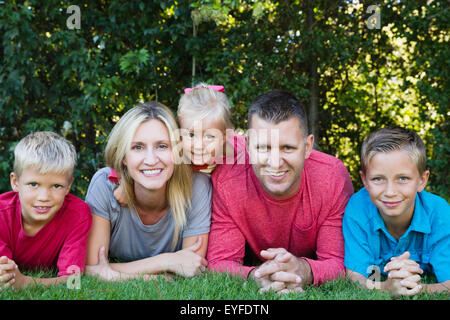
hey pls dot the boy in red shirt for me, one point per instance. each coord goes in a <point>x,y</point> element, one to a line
<point>286,206</point>
<point>41,224</point>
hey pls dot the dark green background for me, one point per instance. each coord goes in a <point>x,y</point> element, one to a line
<point>351,79</point>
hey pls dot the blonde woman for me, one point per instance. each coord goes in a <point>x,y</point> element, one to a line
<point>165,226</point>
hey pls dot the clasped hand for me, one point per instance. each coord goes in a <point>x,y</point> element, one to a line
<point>8,270</point>
<point>280,273</point>
<point>10,275</point>
<point>403,276</point>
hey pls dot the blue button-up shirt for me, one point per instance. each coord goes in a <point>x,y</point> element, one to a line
<point>369,244</point>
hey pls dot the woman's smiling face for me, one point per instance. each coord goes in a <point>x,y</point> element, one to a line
<point>150,160</point>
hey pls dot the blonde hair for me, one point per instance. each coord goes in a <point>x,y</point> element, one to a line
<point>203,102</point>
<point>179,186</point>
<point>46,152</point>
<point>392,139</point>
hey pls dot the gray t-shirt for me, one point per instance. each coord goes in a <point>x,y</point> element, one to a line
<point>130,239</point>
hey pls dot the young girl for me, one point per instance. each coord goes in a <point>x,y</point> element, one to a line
<point>165,226</point>
<point>208,136</point>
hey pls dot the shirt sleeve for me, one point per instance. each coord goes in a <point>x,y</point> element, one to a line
<point>358,255</point>
<point>226,245</point>
<point>99,192</point>
<point>199,216</point>
<point>330,242</point>
<point>440,238</point>
<point>72,256</point>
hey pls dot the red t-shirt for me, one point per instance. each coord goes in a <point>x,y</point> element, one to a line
<point>307,224</point>
<point>62,242</point>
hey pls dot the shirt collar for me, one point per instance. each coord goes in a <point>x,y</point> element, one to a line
<point>378,222</point>
<point>420,221</point>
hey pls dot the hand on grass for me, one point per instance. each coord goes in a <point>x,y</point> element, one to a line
<point>282,272</point>
<point>10,275</point>
<point>266,283</point>
<point>401,266</point>
<point>403,276</point>
<point>105,272</point>
<point>404,287</point>
<point>103,269</point>
<point>186,262</point>
<point>7,272</point>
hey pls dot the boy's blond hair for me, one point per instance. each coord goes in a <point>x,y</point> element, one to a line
<point>203,102</point>
<point>46,152</point>
<point>393,139</point>
<point>179,186</point>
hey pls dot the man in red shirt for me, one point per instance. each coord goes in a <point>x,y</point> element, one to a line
<point>286,204</point>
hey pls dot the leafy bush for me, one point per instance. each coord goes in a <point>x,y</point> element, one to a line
<point>354,79</point>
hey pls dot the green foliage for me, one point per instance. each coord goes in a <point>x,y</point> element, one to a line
<point>53,78</point>
<point>134,61</point>
<point>440,173</point>
<point>50,75</point>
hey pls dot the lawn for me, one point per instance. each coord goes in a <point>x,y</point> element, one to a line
<point>209,286</point>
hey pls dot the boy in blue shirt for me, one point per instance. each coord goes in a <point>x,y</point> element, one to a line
<point>392,226</point>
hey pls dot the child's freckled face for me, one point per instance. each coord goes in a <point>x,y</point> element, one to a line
<point>202,141</point>
<point>393,180</point>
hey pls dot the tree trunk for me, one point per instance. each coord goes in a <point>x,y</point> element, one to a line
<point>194,33</point>
<point>313,76</point>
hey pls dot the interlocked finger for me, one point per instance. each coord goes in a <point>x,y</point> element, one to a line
<point>4,268</point>
<point>414,278</point>
<point>277,250</point>
<point>268,268</point>
<point>405,261</point>
<point>285,277</point>
<point>398,264</point>
<point>275,286</point>
<point>6,277</point>
<point>399,274</point>
<point>417,289</point>
<point>410,282</point>
<point>413,269</point>
<point>7,280</point>
<point>291,290</point>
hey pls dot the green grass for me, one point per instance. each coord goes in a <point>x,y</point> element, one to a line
<point>210,286</point>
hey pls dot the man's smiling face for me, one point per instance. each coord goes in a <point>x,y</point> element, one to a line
<point>278,152</point>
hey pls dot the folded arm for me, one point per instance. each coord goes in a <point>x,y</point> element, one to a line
<point>187,262</point>
<point>226,247</point>
<point>10,276</point>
